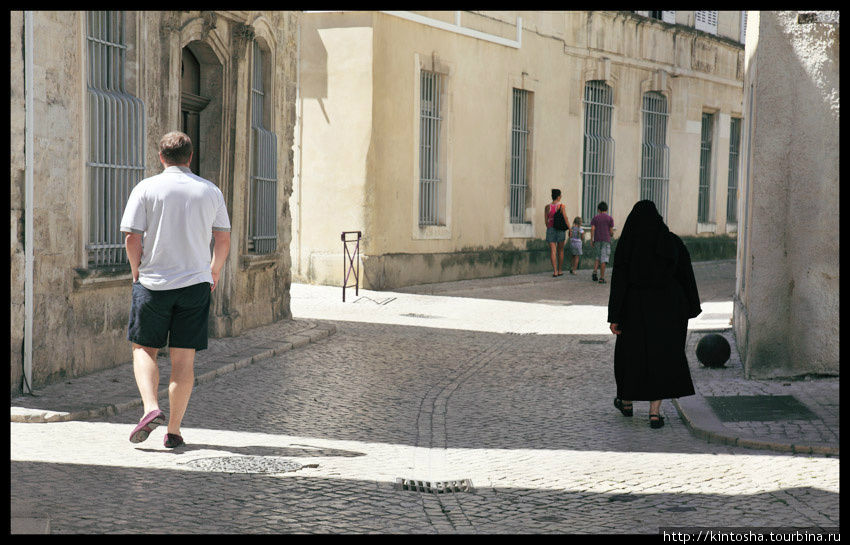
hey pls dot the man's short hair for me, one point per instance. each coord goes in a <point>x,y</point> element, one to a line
<point>176,148</point>
<point>603,206</point>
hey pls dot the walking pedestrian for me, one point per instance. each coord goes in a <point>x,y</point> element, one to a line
<point>653,294</point>
<point>576,241</point>
<point>168,221</point>
<point>554,236</point>
<point>601,231</point>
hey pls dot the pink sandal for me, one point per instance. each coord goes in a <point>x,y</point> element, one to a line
<point>146,425</point>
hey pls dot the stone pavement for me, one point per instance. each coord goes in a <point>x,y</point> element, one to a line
<point>112,391</point>
<point>502,383</point>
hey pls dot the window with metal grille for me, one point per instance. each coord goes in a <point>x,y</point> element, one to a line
<point>519,155</point>
<point>262,212</point>
<point>116,133</point>
<point>430,118</point>
<point>655,155</point>
<point>706,21</point>
<point>734,152</point>
<point>704,204</point>
<point>598,163</point>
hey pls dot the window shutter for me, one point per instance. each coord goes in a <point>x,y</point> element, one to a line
<point>706,21</point>
<point>743,26</point>
<point>668,17</point>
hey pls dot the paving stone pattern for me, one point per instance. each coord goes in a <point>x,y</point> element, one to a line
<point>527,418</point>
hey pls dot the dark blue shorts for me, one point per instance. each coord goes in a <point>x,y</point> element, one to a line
<point>177,317</point>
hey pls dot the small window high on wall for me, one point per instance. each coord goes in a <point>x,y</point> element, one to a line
<point>706,21</point>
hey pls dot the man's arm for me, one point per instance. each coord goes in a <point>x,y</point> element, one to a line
<point>220,251</point>
<point>133,245</point>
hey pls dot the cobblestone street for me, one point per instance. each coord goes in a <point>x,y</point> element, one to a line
<point>526,418</point>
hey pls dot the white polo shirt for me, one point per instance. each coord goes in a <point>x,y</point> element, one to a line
<point>177,212</point>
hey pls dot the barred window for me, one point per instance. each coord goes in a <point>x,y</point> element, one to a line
<point>655,155</point>
<point>519,155</point>
<point>734,152</point>
<point>430,119</point>
<point>116,138</point>
<point>598,163</point>
<point>704,203</point>
<point>262,212</point>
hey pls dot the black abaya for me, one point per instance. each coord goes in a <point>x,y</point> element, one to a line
<point>653,294</point>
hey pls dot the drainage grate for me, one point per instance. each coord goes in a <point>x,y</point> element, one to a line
<point>437,487</point>
<point>245,464</point>
<point>759,408</point>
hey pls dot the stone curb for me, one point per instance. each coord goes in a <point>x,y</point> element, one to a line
<point>701,421</point>
<point>268,349</point>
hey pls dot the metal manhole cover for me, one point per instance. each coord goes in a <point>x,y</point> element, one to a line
<point>245,464</point>
<point>436,487</point>
<point>760,408</point>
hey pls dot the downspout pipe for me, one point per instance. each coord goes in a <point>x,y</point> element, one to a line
<point>29,142</point>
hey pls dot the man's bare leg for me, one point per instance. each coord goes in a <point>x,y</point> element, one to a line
<point>180,386</point>
<point>147,375</point>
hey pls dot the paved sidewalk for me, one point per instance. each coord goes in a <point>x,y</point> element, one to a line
<point>523,304</point>
<point>113,391</point>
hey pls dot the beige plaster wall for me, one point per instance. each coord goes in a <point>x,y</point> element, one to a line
<point>787,311</point>
<point>560,51</point>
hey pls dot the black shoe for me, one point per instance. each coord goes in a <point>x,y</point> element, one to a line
<point>625,409</point>
<point>595,278</point>
<point>601,280</point>
<point>172,440</point>
<point>656,422</point>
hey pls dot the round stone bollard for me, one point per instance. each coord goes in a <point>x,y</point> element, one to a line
<point>713,350</point>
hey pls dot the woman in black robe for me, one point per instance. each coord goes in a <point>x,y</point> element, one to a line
<point>653,294</point>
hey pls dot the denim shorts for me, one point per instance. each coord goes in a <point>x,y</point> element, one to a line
<point>553,235</point>
<point>178,317</point>
<point>603,250</point>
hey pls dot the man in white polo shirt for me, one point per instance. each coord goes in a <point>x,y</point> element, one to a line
<point>168,222</point>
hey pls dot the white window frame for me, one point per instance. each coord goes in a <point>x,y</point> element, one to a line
<point>669,17</point>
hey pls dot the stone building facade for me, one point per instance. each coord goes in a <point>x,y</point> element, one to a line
<point>93,92</point>
<point>786,311</point>
<point>439,135</point>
